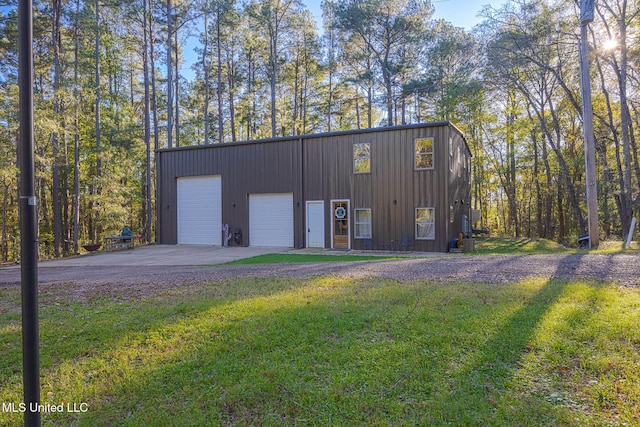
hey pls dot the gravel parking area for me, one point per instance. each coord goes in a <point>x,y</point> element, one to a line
<point>144,281</point>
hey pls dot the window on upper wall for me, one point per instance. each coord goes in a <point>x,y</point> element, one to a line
<point>425,224</point>
<point>362,157</point>
<point>363,223</point>
<point>424,153</point>
<point>459,165</point>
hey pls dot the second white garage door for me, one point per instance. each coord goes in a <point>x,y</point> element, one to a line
<point>271,220</point>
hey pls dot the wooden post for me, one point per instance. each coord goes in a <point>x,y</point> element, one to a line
<point>587,121</point>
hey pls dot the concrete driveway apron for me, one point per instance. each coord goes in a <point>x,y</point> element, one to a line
<point>162,255</point>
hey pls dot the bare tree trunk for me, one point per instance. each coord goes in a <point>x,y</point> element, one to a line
<point>536,178</point>
<point>548,213</point>
<point>358,119</point>
<point>332,64</point>
<point>330,100</point>
<point>386,78</point>
<point>273,65</point>
<point>389,89</point>
<point>97,189</point>
<point>304,94</point>
<point>3,247</point>
<point>296,75</point>
<point>369,94</point>
<point>561,224</point>
<point>169,76</point>
<point>231,72</point>
<point>510,172</point>
<point>219,52</point>
<point>207,85</point>
<point>625,118</point>
<point>177,88</point>
<point>147,126</point>
<point>55,197</point>
<point>66,235</point>
<point>156,142</point>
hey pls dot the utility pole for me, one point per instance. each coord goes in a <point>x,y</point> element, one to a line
<point>28,219</point>
<point>586,16</point>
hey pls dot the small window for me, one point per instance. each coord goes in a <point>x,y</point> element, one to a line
<point>362,158</point>
<point>459,165</point>
<point>424,153</point>
<point>425,224</point>
<point>452,215</point>
<point>363,223</point>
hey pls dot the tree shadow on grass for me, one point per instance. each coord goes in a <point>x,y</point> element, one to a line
<point>484,377</point>
<point>188,353</point>
<point>77,333</point>
<point>323,360</point>
<point>353,352</point>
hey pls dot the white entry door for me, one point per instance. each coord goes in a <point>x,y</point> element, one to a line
<point>315,224</point>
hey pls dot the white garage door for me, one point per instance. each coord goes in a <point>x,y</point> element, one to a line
<point>200,210</point>
<point>271,220</point>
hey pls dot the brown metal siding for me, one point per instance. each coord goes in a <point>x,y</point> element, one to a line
<point>245,169</point>
<point>328,165</point>
<point>276,166</point>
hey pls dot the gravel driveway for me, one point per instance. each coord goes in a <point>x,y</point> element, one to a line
<point>141,281</point>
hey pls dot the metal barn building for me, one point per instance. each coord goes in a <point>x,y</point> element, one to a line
<point>392,188</point>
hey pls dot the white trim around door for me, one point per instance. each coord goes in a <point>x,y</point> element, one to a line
<point>340,224</point>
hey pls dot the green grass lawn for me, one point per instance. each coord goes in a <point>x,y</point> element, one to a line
<point>504,245</point>
<point>484,246</point>
<point>332,351</point>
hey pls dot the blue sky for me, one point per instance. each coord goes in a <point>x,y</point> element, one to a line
<point>461,13</point>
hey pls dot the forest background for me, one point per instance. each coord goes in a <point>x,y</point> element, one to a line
<point>110,89</point>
